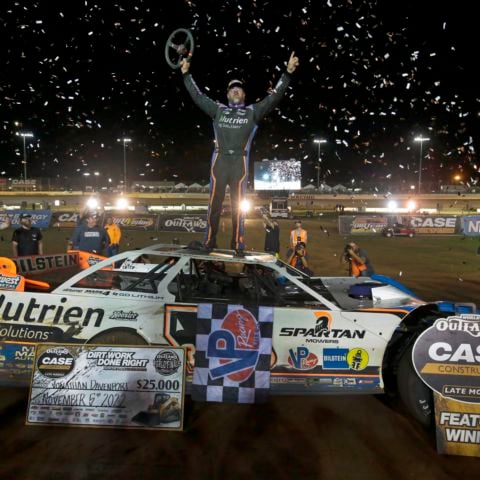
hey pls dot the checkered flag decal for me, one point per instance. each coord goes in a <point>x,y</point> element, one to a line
<point>233,350</point>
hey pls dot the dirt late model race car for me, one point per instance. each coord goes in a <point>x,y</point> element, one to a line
<point>333,335</point>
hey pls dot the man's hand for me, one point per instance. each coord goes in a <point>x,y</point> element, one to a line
<point>292,63</point>
<point>185,66</point>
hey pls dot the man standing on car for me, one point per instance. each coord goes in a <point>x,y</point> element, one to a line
<point>27,240</point>
<point>234,125</point>
<point>90,237</point>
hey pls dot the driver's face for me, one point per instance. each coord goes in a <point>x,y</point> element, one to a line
<point>236,95</point>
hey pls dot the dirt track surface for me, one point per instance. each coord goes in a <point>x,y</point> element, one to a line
<point>330,437</point>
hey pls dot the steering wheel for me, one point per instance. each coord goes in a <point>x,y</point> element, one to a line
<point>181,48</point>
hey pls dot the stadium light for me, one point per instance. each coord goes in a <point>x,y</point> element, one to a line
<point>392,205</point>
<point>411,206</point>
<point>421,140</point>
<point>245,206</point>
<point>319,142</point>
<point>24,135</point>
<point>124,141</point>
<point>122,203</point>
<point>92,203</point>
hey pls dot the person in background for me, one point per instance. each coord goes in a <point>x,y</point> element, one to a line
<point>272,235</point>
<point>114,234</point>
<point>297,235</point>
<point>27,240</point>
<point>359,264</point>
<point>90,237</point>
<point>298,259</point>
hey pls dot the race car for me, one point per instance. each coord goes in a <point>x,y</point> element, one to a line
<point>336,335</point>
<point>398,230</point>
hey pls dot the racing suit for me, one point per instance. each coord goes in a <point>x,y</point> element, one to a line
<point>234,127</point>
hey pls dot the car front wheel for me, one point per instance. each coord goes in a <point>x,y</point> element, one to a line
<point>415,395</point>
<point>118,337</point>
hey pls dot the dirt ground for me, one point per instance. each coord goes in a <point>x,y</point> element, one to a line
<point>328,438</point>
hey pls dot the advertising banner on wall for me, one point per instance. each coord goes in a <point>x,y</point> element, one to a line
<point>361,224</point>
<point>446,357</point>
<point>65,219</point>
<point>471,225</point>
<point>134,222</point>
<point>423,224</point>
<point>437,225</point>
<point>108,386</point>
<point>40,218</point>
<point>182,223</point>
<point>5,220</point>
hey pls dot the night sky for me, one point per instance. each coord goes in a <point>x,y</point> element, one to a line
<point>372,76</point>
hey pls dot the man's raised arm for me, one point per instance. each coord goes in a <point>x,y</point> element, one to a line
<point>265,106</point>
<point>200,99</point>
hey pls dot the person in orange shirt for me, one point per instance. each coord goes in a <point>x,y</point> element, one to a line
<point>297,235</point>
<point>114,234</point>
<point>359,264</point>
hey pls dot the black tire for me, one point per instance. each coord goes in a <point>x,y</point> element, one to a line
<point>118,337</point>
<point>415,395</point>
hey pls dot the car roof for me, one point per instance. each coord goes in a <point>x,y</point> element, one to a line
<point>201,254</point>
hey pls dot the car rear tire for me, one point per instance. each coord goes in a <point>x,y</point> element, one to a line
<point>118,337</point>
<point>415,395</point>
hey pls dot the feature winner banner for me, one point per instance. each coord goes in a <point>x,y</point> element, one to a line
<point>105,386</point>
<point>446,357</point>
<point>233,351</point>
<point>182,223</point>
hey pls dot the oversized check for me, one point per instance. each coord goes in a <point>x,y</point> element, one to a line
<point>108,386</point>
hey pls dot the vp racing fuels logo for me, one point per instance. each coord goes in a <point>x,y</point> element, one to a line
<point>302,359</point>
<point>236,345</point>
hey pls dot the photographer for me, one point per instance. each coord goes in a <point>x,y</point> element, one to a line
<point>359,264</point>
<point>298,258</point>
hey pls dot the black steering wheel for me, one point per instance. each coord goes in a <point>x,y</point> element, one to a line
<point>183,49</point>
